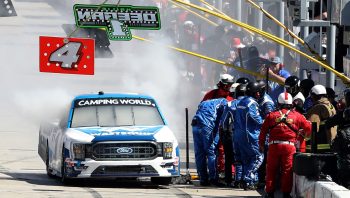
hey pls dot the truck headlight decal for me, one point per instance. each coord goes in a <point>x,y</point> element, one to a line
<point>167,150</point>
<point>88,151</point>
<point>79,151</point>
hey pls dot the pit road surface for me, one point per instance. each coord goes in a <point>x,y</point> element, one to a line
<point>24,93</point>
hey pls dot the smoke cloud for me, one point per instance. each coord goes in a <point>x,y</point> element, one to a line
<point>138,67</point>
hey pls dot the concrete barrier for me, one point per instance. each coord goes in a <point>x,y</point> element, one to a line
<point>303,187</point>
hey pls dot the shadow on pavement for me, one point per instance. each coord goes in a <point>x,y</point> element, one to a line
<point>43,179</point>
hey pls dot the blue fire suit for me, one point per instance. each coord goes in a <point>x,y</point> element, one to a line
<point>205,126</point>
<point>229,111</point>
<point>266,105</point>
<point>247,124</point>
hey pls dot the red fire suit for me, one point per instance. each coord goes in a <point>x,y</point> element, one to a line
<point>283,126</point>
<point>217,93</point>
<point>213,94</point>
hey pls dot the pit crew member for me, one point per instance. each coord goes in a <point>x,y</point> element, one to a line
<point>283,126</point>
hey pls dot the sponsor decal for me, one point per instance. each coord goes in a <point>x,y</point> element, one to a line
<point>66,55</point>
<point>121,131</point>
<point>113,101</point>
<point>117,20</point>
<point>124,150</point>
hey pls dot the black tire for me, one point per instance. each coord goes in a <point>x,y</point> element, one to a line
<point>64,179</point>
<point>161,180</point>
<point>312,165</point>
<point>48,170</point>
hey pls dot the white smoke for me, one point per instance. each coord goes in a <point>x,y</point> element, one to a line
<point>140,67</point>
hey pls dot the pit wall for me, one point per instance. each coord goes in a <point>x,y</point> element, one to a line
<point>306,188</point>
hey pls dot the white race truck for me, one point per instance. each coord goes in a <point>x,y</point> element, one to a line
<point>110,136</point>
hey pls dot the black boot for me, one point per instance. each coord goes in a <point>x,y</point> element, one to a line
<point>286,195</point>
<point>269,195</point>
<point>237,184</point>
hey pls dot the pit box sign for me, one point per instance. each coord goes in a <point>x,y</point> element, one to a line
<point>117,20</point>
<point>67,55</point>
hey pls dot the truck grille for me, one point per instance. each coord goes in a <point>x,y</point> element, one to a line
<point>124,151</point>
<point>135,170</point>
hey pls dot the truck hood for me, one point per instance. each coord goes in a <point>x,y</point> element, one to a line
<point>128,133</point>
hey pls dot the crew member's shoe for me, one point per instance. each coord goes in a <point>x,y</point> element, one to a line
<point>286,195</point>
<point>216,183</point>
<point>204,183</point>
<point>269,195</point>
<point>237,184</point>
<point>229,185</point>
<point>260,185</point>
<point>249,186</point>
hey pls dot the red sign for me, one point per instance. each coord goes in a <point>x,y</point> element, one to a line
<point>67,55</point>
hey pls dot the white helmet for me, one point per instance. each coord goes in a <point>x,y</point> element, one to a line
<point>233,87</point>
<point>285,98</point>
<point>189,24</point>
<point>226,78</point>
<point>318,90</point>
<point>299,96</point>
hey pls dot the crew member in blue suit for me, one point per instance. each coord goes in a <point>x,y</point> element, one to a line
<point>247,124</point>
<point>266,106</point>
<point>205,126</point>
<point>226,123</point>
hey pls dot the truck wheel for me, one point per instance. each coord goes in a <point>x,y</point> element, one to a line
<point>48,170</point>
<point>312,164</point>
<point>161,180</point>
<point>64,179</point>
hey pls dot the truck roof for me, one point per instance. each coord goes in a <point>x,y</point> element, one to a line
<point>113,95</point>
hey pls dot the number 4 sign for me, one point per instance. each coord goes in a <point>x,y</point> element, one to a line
<point>67,55</point>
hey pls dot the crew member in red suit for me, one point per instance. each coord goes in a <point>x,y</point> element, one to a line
<point>223,91</point>
<point>283,126</point>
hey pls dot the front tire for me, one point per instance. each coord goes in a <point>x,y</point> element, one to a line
<point>47,163</point>
<point>161,180</point>
<point>64,179</point>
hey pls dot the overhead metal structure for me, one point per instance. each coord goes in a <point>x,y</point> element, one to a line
<point>7,9</point>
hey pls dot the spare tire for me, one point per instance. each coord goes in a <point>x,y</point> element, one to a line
<point>312,165</point>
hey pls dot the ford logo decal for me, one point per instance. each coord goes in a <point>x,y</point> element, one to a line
<point>124,150</point>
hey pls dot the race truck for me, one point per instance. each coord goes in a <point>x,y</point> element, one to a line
<point>110,136</point>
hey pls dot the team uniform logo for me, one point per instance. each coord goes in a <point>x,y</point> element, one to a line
<point>117,20</point>
<point>67,55</point>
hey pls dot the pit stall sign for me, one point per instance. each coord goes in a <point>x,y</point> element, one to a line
<point>117,20</point>
<point>66,55</point>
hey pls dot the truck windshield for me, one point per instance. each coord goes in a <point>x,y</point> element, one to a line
<point>116,115</point>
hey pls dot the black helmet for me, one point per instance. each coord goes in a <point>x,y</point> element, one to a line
<point>240,90</point>
<point>306,86</point>
<point>330,93</point>
<point>292,85</point>
<point>262,85</point>
<point>242,80</point>
<point>253,52</point>
<point>252,89</point>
